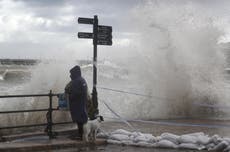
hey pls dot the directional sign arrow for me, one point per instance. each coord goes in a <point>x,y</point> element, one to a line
<point>104,29</point>
<point>102,36</point>
<point>104,42</point>
<point>82,20</point>
<point>85,35</point>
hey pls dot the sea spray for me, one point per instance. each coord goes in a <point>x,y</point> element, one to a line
<point>177,57</point>
<point>171,53</point>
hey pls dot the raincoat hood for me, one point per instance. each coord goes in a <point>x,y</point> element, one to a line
<point>75,72</point>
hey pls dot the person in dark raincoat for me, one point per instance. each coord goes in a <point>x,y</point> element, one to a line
<point>77,91</point>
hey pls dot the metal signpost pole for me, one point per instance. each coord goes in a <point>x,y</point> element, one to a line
<point>102,35</point>
<point>95,33</point>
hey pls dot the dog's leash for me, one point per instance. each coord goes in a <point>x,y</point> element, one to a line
<point>122,119</point>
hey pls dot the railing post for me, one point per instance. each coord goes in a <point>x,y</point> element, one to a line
<point>49,116</point>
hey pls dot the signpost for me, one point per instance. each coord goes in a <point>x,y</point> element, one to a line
<point>102,35</point>
<point>82,20</point>
<point>105,29</point>
<point>85,35</point>
<point>104,42</point>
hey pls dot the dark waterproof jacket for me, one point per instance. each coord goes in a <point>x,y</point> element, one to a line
<point>78,96</point>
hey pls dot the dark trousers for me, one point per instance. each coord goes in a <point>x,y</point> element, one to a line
<point>80,129</point>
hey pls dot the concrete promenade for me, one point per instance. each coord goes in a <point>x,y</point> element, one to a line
<point>25,146</point>
<point>39,142</point>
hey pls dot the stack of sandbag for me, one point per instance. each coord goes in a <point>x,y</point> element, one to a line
<point>195,141</point>
<point>124,137</point>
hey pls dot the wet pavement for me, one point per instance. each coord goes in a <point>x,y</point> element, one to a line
<point>64,144</point>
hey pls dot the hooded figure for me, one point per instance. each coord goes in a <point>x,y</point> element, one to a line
<point>77,90</point>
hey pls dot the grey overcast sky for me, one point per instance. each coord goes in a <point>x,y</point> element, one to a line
<point>48,28</point>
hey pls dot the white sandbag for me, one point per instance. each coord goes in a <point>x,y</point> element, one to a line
<point>203,140</point>
<point>140,139</point>
<point>158,138</point>
<point>148,135</point>
<point>195,138</point>
<point>210,146</point>
<point>227,149</point>
<point>196,134</point>
<point>134,135</point>
<point>145,138</point>
<point>166,144</point>
<point>227,139</point>
<point>216,139</point>
<point>121,131</point>
<point>171,137</point>
<point>150,138</point>
<point>128,143</point>
<point>119,137</point>
<point>191,146</point>
<point>221,146</point>
<point>188,139</point>
<point>144,144</point>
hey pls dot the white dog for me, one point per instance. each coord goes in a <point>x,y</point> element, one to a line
<point>90,129</point>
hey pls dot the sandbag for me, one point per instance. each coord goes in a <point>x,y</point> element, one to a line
<point>203,140</point>
<point>194,141</point>
<point>221,146</point>
<point>135,134</point>
<point>195,134</point>
<point>121,131</point>
<point>227,139</point>
<point>144,144</point>
<point>227,149</point>
<point>119,137</point>
<point>150,138</point>
<point>191,146</point>
<point>166,144</point>
<point>187,139</point>
<point>128,143</point>
<point>210,146</point>
<point>145,138</point>
<point>216,139</point>
<point>171,137</point>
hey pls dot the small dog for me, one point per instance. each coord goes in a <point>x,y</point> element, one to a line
<point>90,129</point>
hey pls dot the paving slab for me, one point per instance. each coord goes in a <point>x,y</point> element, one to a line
<point>60,143</point>
<point>38,141</point>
